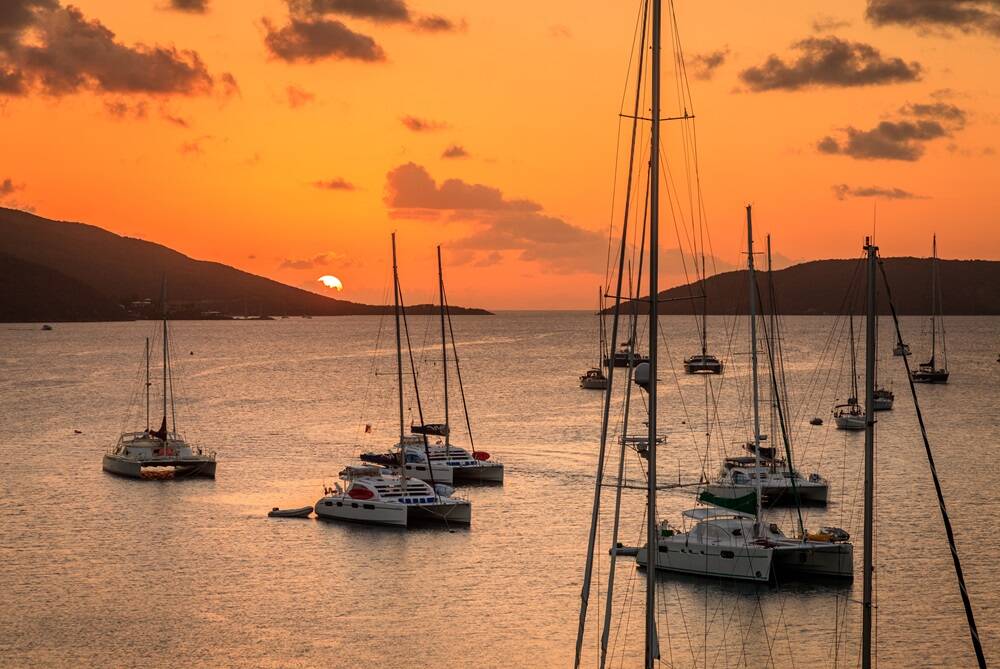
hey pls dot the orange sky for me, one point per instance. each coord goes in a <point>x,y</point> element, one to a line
<point>531,92</point>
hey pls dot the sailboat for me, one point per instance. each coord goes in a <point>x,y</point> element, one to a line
<point>704,362</point>
<point>390,496</point>
<point>929,372</point>
<point>736,543</point>
<point>850,415</point>
<point>160,453</point>
<point>594,378</point>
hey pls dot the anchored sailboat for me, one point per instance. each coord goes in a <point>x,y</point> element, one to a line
<point>930,372</point>
<point>391,495</point>
<point>594,378</point>
<point>850,415</point>
<point>163,452</point>
<point>704,362</point>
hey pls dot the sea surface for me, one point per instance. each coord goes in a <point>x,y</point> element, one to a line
<point>100,571</point>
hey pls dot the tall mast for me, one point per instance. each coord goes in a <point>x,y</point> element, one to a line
<point>444,355</point>
<point>704,305</point>
<point>854,357</point>
<point>600,328</point>
<point>147,384</point>
<point>652,645</point>
<point>866,623</point>
<point>163,305</point>
<point>934,305</point>
<point>772,428</point>
<point>399,360</point>
<point>752,274</point>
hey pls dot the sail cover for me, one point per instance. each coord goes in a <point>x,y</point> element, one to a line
<point>436,429</point>
<point>747,503</point>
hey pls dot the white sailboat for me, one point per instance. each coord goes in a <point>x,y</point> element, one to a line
<point>390,495</point>
<point>594,378</point>
<point>161,453</point>
<point>930,371</point>
<point>850,415</point>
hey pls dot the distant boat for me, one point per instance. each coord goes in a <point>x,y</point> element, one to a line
<point>161,453</point>
<point>626,357</point>
<point>850,415</point>
<point>883,399</point>
<point>47,327</point>
<point>929,372</point>
<point>704,362</point>
<point>901,349</point>
<point>594,378</point>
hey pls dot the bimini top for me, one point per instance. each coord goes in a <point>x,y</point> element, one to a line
<point>707,513</point>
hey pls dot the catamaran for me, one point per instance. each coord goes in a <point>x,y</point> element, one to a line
<point>390,495</point>
<point>930,372</point>
<point>160,453</point>
<point>704,362</point>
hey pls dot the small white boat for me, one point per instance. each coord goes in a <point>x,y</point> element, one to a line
<point>301,512</point>
<point>883,399</point>
<point>849,416</point>
<point>373,497</point>
<point>594,379</point>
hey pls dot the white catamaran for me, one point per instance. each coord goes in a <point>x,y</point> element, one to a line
<point>162,453</point>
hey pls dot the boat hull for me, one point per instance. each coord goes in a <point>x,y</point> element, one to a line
<point>742,563</point>
<point>491,472</point>
<point>882,404</point>
<point>702,367</point>
<point>181,467</point>
<point>815,558</point>
<point>808,493</point>
<point>452,512</point>
<point>929,377</point>
<point>850,422</point>
<point>344,508</point>
<point>593,384</point>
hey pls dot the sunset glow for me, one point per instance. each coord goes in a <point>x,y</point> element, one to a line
<point>491,130</point>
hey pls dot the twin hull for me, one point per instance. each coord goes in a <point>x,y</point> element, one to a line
<point>343,507</point>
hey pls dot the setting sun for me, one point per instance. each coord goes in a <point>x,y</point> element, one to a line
<point>331,281</point>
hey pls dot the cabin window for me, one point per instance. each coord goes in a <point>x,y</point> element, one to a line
<point>664,549</point>
<point>739,477</point>
<point>369,506</point>
<point>354,505</point>
<point>331,503</point>
<point>729,555</point>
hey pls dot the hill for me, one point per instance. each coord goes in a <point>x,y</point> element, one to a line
<point>968,287</point>
<point>42,261</point>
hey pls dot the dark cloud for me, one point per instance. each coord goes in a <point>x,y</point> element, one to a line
<point>7,187</point>
<point>298,97</point>
<point>337,183</point>
<point>322,260</point>
<point>455,151</point>
<point>176,120</point>
<point>195,147</point>
<point>436,24</point>
<point>386,11</point>
<point>316,39</point>
<point>61,52</point>
<point>843,191</point>
<point>829,61</point>
<point>899,139</point>
<point>964,15</point>
<point>822,24</point>
<point>410,186</point>
<point>500,224</point>
<point>704,65</point>
<point>422,125</point>
<point>122,109</point>
<point>192,6</point>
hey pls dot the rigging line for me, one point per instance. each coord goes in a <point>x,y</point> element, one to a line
<point>966,601</point>
<point>599,477</point>
<point>416,394</point>
<point>458,371</point>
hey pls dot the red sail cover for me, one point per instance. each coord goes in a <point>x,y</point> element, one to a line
<point>481,455</point>
<point>358,492</point>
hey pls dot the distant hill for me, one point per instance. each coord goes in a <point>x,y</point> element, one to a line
<point>970,287</point>
<point>58,271</point>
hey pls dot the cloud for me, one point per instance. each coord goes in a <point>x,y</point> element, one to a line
<point>422,125</point>
<point>59,51</point>
<point>298,97</point>
<point>322,260</point>
<point>705,64</point>
<point>337,183</point>
<point>195,147</point>
<point>7,187</point>
<point>410,186</point>
<point>455,151</point>
<point>176,120</point>
<point>376,11</point>
<point>317,39</point>
<point>900,139</point>
<point>191,6</point>
<point>122,109</point>
<point>499,223</point>
<point>822,24</point>
<point>436,24</point>
<point>829,61</point>
<point>924,15</point>
<point>488,260</point>
<point>843,191</point>
<point>560,31</point>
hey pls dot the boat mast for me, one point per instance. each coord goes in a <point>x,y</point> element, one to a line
<point>399,363</point>
<point>772,355</point>
<point>163,305</point>
<point>866,623</point>
<point>652,645</point>
<point>933,299</point>
<point>752,274</point>
<point>444,357</point>
<point>704,305</point>
<point>147,384</point>
<point>600,328</point>
<point>854,364</point>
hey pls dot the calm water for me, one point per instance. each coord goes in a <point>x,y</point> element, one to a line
<point>103,571</point>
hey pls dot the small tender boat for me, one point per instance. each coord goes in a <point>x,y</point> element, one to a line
<point>816,421</point>
<point>594,379</point>
<point>47,327</point>
<point>301,512</point>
